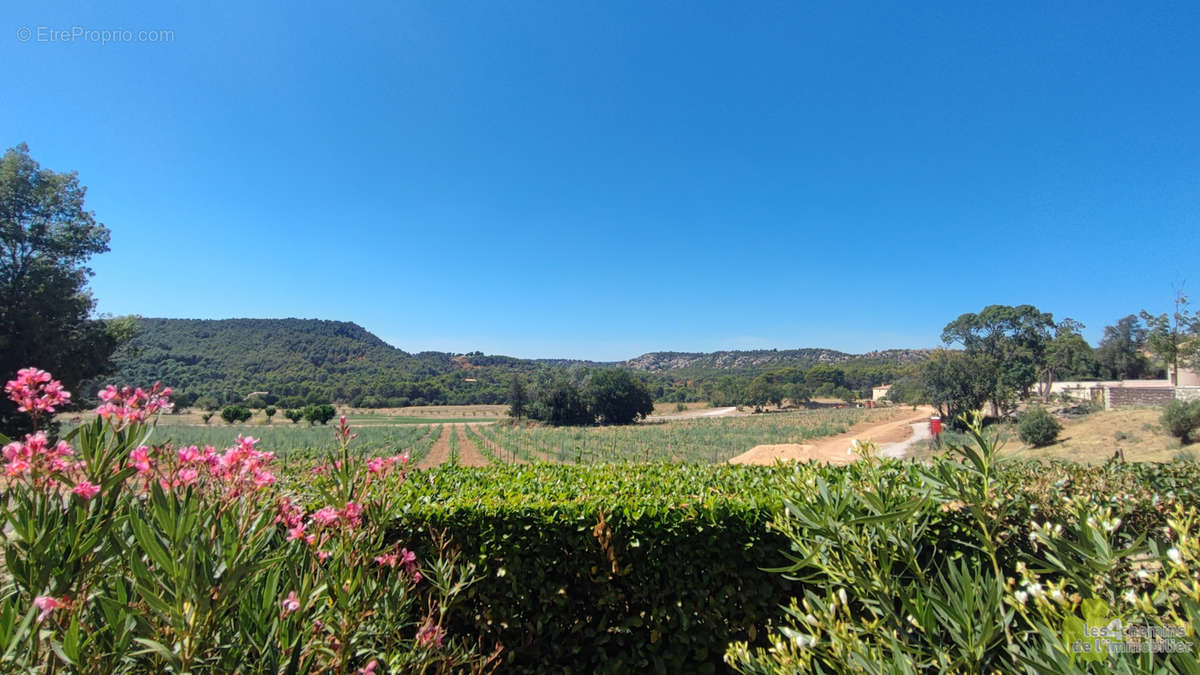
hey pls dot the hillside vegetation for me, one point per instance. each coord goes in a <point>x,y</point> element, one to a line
<point>298,361</point>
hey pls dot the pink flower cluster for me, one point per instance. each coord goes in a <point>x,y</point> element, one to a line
<point>382,465</point>
<point>404,559</point>
<point>239,470</point>
<point>431,634</point>
<point>35,457</point>
<point>36,454</point>
<point>133,405</point>
<point>291,516</point>
<point>35,391</point>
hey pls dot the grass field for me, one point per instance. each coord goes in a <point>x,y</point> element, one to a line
<point>303,441</point>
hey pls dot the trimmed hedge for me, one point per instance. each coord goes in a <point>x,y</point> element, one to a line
<point>608,568</point>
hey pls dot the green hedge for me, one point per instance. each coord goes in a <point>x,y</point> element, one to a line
<point>676,571</point>
<point>607,568</point>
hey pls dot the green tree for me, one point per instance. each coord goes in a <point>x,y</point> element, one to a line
<point>1174,338</point>
<point>294,414</point>
<point>270,412</point>
<point>956,382</point>
<point>1120,351</point>
<point>615,396</point>
<point>560,403</point>
<point>46,239</point>
<point>517,397</point>
<point>1011,340</point>
<point>233,414</point>
<point>319,413</point>
<point>1064,354</point>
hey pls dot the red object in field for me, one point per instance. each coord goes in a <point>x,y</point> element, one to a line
<point>935,425</point>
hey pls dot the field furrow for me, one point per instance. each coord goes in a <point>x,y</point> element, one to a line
<point>468,454</point>
<point>440,452</point>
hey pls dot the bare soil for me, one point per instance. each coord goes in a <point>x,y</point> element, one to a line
<point>836,449</point>
<point>468,454</point>
<point>440,452</point>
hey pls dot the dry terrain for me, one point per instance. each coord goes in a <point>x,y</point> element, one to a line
<point>836,449</point>
<point>1096,437</point>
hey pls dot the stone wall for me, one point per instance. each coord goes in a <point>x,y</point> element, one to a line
<point>1187,393</point>
<point>1123,397</point>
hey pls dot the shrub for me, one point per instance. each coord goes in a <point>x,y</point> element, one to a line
<point>294,415</point>
<point>1038,428</point>
<point>642,568</point>
<point>233,414</point>
<point>942,568</point>
<point>1181,418</point>
<point>318,413</point>
<point>126,558</point>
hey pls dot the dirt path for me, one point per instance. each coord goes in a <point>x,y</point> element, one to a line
<point>836,449</point>
<point>468,454</point>
<point>440,452</point>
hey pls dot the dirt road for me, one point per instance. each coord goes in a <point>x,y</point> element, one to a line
<point>836,449</point>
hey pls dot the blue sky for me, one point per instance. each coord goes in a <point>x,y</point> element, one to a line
<point>602,179</point>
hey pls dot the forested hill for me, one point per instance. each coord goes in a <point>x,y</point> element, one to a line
<point>752,361</point>
<point>311,360</point>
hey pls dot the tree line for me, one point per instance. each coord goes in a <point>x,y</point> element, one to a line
<point>1003,354</point>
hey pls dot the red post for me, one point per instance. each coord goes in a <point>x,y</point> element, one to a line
<point>935,425</point>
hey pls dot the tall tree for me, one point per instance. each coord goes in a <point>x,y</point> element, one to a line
<point>1063,354</point>
<point>46,239</point>
<point>517,397</point>
<point>1120,350</point>
<point>956,382</point>
<point>1174,338</point>
<point>1011,340</point>
<point>615,396</point>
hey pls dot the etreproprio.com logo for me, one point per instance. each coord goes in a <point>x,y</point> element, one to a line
<point>101,36</point>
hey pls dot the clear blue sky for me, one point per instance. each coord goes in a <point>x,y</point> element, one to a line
<point>602,179</point>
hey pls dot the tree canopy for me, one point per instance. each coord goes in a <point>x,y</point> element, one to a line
<point>46,239</point>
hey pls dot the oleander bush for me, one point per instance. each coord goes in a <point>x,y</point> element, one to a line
<point>123,556</point>
<point>977,566</point>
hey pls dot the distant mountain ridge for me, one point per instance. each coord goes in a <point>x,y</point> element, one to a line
<point>342,361</point>
<point>757,359</point>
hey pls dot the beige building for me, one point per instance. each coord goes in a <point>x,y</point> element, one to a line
<point>878,393</point>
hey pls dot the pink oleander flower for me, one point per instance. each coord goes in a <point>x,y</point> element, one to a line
<point>291,603</point>
<point>139,457</point>
<point>36,453</point>
<point>387,559</point>
<point>47,604</point>
<point>430,634</point>
<point>290,515</point>
<point>326,516</point>
<point>190,454</point>
<point>368,669</point>
<point>35,391</point>
<point>323,555</point>
<point>133,405</point>
<point>352,514</point>
<point>376,464</point>
<point>186,476</point>
<point>297,533</point>
<point>86,489</point>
